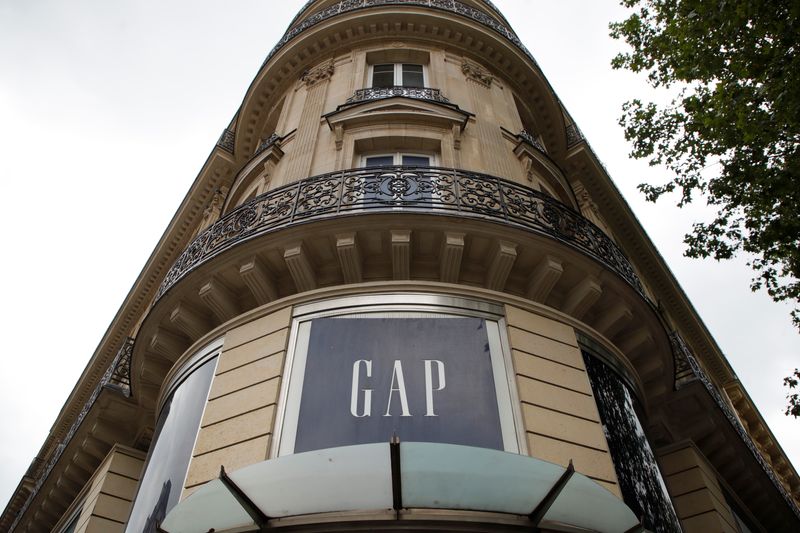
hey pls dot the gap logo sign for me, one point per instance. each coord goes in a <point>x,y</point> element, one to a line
<point>423,379</point>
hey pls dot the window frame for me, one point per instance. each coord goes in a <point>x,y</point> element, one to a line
<point>508,402</point>
<point>397,157</point>
<point>398,75</point>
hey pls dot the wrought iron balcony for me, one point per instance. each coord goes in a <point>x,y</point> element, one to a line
<point>419,190</point>
<point>379,93</point>
<point>451,6</point>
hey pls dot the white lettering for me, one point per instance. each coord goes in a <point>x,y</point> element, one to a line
<point>397,377</point>
<point>429,363</point>
<point>355,390</point>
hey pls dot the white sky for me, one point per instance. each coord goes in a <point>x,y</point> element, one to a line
<point>109,109</point>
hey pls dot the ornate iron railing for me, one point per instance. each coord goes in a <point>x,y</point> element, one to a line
<point>532,140</point>
<point>116,377</point>
<point>685,358</point>
<point>379,93</point>
<point>574,135</point>
<point>226,140</point>
<point>309,2</point>
<point>451,6</point>
<point>421,190</point>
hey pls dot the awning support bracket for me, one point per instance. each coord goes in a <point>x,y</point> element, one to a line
<point>539,513</point>
<point>397,488</point>
<point>247,504</point>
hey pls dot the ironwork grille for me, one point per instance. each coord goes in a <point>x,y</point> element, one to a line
<point>428,190</point>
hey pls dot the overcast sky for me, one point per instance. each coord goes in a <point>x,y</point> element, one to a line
<point>109,109</point>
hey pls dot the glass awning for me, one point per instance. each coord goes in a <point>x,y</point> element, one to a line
<point>383,477</point>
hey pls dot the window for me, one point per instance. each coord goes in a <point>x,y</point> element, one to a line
<point>362,370</point>
<point>167,463</point>
<point>398,74</point>
<point>398,158</point>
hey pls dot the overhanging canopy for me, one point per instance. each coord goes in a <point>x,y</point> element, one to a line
<point>381,477</point>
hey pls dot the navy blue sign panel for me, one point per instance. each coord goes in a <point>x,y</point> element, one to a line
<point>422,379</point>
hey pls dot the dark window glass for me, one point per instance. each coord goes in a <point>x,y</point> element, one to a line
<point>412,76</point>
<point>383,76</point>
<point>416,160</point>
<point>380,161</point>
<point>640,480</point>
<point>423,379</point>
<point>168,460</point>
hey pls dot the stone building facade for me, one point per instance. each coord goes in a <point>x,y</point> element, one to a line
<point>403,294</point>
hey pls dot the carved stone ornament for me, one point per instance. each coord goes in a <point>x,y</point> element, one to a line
<point>476,73</point>
<point>587,206</point>
<point>321,73</point>
<point>212,212</point>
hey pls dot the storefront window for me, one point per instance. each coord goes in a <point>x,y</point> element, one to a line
<point>420,376</point>
<point>640,480</point>
<point>171,451</point>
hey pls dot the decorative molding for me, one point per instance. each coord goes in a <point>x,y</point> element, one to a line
<point>213,210</point>
<point>227,140</point>
<point>682,353</point>
<point>273,139</point>
<point>318,74</point>
<point>219,299</point>
<point>258,279</point>
<point>531,139</point>
<point>399,45</point>
<point>574,135</point>
<point>504,257</point>
<point>451,6</point>
<point>394,190</point>
<point>300,268</point>
<point>451,254</point>
<point>544,278</point>
<point>476,73</point>
<point>581,298</point>
<point>401,254</point>
<point>349,257</point>
<point>190,321</point>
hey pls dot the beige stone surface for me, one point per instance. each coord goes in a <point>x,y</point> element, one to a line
<point>126,465</point>
<point>103,525</point>
<point>247,375</point>
<point>258,328</point>
<point>696,493</point>
<point>550,372</point>
<point>234,430</point>
<point>557,398</point>
<point>107,504</point>
<point>119,486</point>
<point>589,462</point>
<point>540,325</point>
<point>112,508</point>
<point>547,348</point>
<point>707,523</point>
<point>206,467</point>
<point>693,480</point>
<point>241,401</point>
<point>563,427</point>
<point>697,502</point>
<point>252,351</point>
